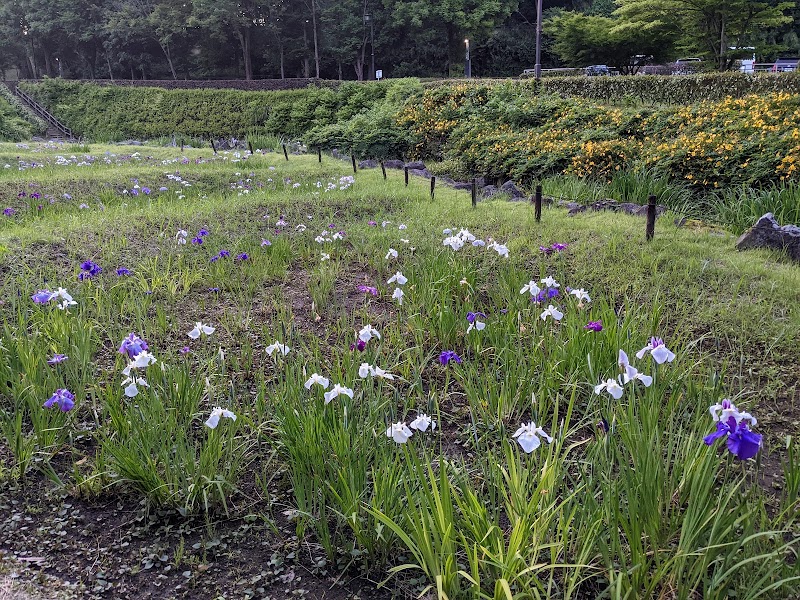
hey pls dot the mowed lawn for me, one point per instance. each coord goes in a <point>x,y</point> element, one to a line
<point>345,379</point>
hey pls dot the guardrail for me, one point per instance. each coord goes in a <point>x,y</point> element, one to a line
<point>42,112</point>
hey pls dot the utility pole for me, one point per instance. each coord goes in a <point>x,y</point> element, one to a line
<point>467,62</point>
<point>538,66</point>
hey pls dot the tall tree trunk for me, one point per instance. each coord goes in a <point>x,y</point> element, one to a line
<point>168,54</point>
<point>283,67</point>
<point>314,24</point>
<point>722,42</point>
<point>339,64</point>
<point>48,67</point>
<point>110,70</point>
<point>244,42</point>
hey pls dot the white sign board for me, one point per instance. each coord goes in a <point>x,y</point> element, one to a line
<point>379,74</point>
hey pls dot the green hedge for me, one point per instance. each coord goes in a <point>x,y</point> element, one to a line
<point>13,127</point>
<point>118,113</point>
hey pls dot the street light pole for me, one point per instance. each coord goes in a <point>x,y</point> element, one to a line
<point>467,62</point>
<point>372,46</point>
<point>538,67</point>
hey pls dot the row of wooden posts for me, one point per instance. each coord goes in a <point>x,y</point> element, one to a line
<point>537,197</point>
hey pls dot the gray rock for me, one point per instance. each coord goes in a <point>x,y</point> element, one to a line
<point>420,173</point>
<point>767,233</point>
<point>368,164</point>
<point>574,208</point>
<point>445,180</point>
<point>509,187</point>
<point>416,166</point>
<point>393,164</point>
<point>461,185</point>
<point>489,191</point>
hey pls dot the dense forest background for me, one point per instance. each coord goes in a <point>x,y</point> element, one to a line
<point>332,39</point>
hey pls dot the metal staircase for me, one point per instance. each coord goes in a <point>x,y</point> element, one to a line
<point>56,130</point>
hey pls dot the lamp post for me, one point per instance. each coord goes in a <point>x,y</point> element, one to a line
<point>537,69</point>
<point>60,73</point>
<point>467,62</point>
<point>368,20</point>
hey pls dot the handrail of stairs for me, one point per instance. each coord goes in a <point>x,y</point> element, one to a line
<point>44,113</point>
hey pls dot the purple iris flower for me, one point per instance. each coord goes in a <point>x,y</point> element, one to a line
<point>472,316</point>
<point>265,242</point>
<point>368,290</point>
<point>546,250</point>
<point>9,211</point>
<point>162,189</point>
<point>134,192</point>
<point>224,254</point>
<point>123,272</point>
<point>146,191</point>
<point>214,289</point>
<point>62,398</point>
<point>448,355</point>
<point>372,223</point>
<point>67,197</point>
<point>42,296</point>
<point>559,247</point>
<point>594,326</point>
<point>545,294</point>
<point>89,269</point>
<point>197,240</point>
<point>360,345</point>
<point>242,256</point>
<point>203,232</point>
<point>57,358</point>
<point>36,195</point>
<point>742,442</point>
<point>185,350</point>
<point>332,226</point>
<point>132,345</point>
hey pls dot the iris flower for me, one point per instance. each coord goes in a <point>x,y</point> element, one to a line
<point>474,323</point>
<point>531,287</point>
<point>62,398</point>
<point>132,345</point>
<point>741,442</point>
<point>552,311</point>
<point>366,370</point>
<point>528,437</point>
<point>368,290</point>
<point>398,295</point>
<point>399,432</point>
<point>57,358</point>
<point>392,253</point>
<point>422,422</point>
<point>594,326</point>
<point>399,278</point>
<point>367,333</point>
<point>337,391</point>
<point>130,383</point>
<point>611,386</point>
<point>42,297</point>
<point>216,414</point>
<point>581,294</point>
<point>657,350</point>
<point>282,348</point>
<point>319,380</point>
<point>448,355</point>
<point>550,282</point>
<point>200,328</point>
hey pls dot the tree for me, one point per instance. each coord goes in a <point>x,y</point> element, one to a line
<point>716,29</point>
<point>456,19</point>
<point>582,40</point>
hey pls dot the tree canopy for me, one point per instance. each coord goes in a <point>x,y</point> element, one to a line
<point>199,39</point>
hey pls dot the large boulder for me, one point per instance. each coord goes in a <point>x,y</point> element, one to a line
<point>768,233</point>
<point>368,164</point>
<point>510,188</point>
<point>417,165</point>
<point>420,173</point>
<point>393,164</point>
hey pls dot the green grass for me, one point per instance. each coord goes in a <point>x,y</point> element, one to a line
<point>643,511</point>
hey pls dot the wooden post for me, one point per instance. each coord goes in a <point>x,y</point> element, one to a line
<point>353,159</point>
<point>250,145</point>
<point>406,172</point>
<point>433,187</point>
<point>651,218</point>
<point>319,153</point>
<point>285,152</point>
<point>383,170</point>
<point>181,145</point>
<point>538,203</point>
<point>213,147</point>
<point>474,193</point>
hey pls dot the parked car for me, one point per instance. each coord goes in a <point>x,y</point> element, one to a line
<point>594,70</point>
<point>783,65</point>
